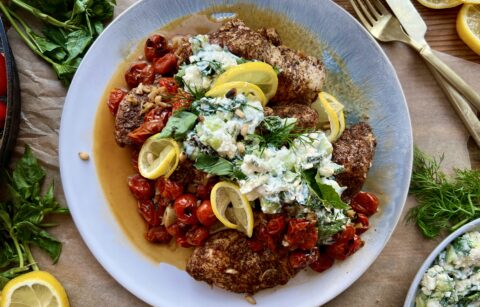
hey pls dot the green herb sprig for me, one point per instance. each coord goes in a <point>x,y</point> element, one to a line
<point>70,27</point>
<point>444,204</point>
<point>22,219</point>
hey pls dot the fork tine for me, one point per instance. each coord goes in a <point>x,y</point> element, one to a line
<point>363,19</point>
<point>366,12</point>
<point>380,7</point>
<point>373,10</point>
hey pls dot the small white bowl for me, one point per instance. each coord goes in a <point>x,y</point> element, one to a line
<point>414,287</point>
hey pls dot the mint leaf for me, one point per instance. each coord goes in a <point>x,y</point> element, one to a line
<point>178,125</point>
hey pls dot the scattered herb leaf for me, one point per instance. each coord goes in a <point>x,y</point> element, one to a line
<point>178,125</point>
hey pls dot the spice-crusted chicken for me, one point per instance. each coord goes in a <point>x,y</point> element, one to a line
<point>354,150</point>
<point>301,76</point>
<point>227,261</point>
<point>129,116</point>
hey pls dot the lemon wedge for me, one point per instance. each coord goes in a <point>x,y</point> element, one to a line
<point>468,26</point>
<point>258,73</point>
<point>34,289</point>
<point>249,90</point>
<point>158,157</point>
<point>231,207</point>
<point>440,4</point>
<point>330,111</point>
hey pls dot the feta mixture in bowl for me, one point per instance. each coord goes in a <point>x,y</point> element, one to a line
<point>454,279</point>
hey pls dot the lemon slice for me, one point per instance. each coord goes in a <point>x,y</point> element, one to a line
<point>258,73</point>
<point>330,111</point>
<point>158,157</point>
<point>231,207</point>
<point>468,26</point>
<point>34,289</point>
<point>249,90</point>
<point>440,4</point>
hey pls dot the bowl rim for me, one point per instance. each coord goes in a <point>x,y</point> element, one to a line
<point>414,287</point>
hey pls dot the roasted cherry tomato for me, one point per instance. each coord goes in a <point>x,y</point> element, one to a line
<point>298,260</point>
<point>301,234</point>
<point>197,235</point>
<point>3,75</point>
<point>205,214</point>
<point>140,187</point>
<point>186,209</point>
<point>361,223</point>
<point>346,243</point>
<point>203,190</point>
<point>181,101</point>
<point>114,99</point>
<point>365,203</point>
<point>158,234</point>
<point>3,113</point>
<point>149,128</point>
<point>166,65</point>
<point>139,73</point>
<point>170,84</point>
<point>177,229</point>
<point>267,239</point>
<point>152,213</point>
<point>168,189</point>
<point>322,263</point>
<point>276,226</point>
<point>182,241</point>
<point>155,47</point>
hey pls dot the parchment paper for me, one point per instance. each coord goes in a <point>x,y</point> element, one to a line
<point>436,130</point>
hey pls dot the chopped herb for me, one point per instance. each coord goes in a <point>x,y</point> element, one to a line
<point>444,204</point>
<point>22,219</point>
<point>178,125</point>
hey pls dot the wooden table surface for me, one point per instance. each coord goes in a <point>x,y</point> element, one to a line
<point>441,33</point>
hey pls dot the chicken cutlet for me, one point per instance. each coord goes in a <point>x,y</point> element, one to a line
<point>227,261</point>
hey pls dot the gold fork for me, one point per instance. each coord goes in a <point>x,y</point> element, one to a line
<point>385,27</point>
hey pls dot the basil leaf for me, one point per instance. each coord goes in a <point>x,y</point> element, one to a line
<point>27,175</point>
<point>326,193</point>
<point>178,125</point>
<point>218,166</point>
<point>27,232</point>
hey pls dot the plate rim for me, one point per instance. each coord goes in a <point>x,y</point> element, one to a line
<point>137,291</point>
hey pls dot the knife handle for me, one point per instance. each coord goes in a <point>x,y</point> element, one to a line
<point>461,106</point>
<point>455,80</point>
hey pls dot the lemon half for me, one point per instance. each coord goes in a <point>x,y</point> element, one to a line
<point>330,111</point>
<point>231,207</point>
<point>249,90</point>
<point>468,26</point>
<point>158,157</point>
<point>259,73</point>
<point>34,289</point>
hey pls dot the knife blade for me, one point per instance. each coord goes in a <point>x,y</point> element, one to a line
<point>410,19</point>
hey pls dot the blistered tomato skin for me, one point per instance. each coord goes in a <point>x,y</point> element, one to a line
<point>158,235</point>
<point>169,189</point>
<point>365,203</point>
<point>139,73</point>
<point>156,46</point>
<point>301,234</point>
<point>165,65</point>
<point>114,99</point>
<point>205,214</point>
<point>140,187</point>
<point>322,263</point>
<point>197,235</point>
<point>185,207</point>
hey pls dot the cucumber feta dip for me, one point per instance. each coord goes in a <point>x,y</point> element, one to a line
<point>454,279</point>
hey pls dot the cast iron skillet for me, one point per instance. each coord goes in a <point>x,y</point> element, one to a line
<point>8,133</point>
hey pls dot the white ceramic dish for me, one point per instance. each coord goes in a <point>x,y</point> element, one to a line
<point>412,292</point>
<point>164,285</point>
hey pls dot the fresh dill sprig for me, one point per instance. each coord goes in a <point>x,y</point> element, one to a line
<point>278,132</point>
<point>444,204</point>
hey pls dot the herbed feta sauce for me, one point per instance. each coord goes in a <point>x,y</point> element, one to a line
<point>224,119</point>
<point>454,279</point>
<point>274,175</point>
<point>206,62</point>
